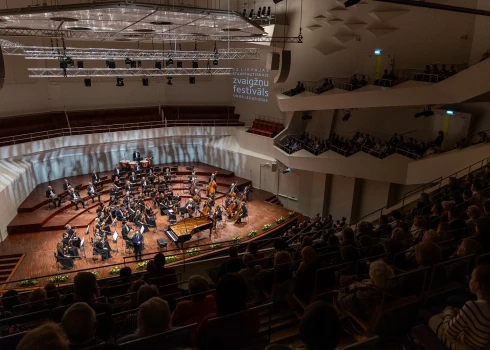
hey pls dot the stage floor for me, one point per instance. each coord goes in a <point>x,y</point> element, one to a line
<point>39,246</point>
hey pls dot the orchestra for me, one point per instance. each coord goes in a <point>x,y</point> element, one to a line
<point>133,197</point>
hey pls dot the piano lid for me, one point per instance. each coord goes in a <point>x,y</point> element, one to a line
<point>191,225</point>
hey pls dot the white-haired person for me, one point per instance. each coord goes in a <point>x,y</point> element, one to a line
<point>361,298</point>
<point>79,323</point>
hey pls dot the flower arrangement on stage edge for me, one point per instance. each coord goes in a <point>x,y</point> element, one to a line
<point>291,213</point>
<point>236,239</point>
<point>142,265</point>
<point>171,258</point>
<point>266,227</point>
<point>215,246</point>
<point>58,279</point>
<point>28,282</point>
<point>252,233</point>
<point>95,273</point>
<point>115,270</point>
<point>280,220</point>
<point>191,252</point>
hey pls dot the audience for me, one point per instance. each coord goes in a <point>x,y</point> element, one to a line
<point>145,293</point>
<point>79,323</point>
<point>234,264</point>
<point>48,336</point>
<point>162,276</point>
<point>319,327</point>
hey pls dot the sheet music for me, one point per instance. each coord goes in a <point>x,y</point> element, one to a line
<point>142,229</point>
<point>82,241</point>
<point>87,229</point>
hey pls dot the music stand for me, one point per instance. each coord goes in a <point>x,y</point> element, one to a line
<point>114,240</point>
<point>87,230</point>
<point>142,229</point>
<point>82,247</point>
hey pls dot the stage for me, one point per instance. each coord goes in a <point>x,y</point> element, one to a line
<point>36,229</point>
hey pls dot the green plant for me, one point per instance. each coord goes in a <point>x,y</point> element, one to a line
<point>280,220</point>
<point>291,213</point>
<point>266,227</point>
<point>236,239</point>
<point>28,282</point>
<point>191,252</point>
<point>171,258</point>
<point>96,273</point>
<point>58,279</point>
<point>115,270</point>
<point>142,265</point>
<point>215,246</point>
<point>252,233</point>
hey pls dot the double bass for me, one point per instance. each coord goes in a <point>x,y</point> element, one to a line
<point>211,188</point>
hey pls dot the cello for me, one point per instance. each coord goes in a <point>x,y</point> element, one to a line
<point>231,208</point>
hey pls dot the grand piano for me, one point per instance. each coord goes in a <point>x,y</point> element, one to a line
<point>182,231</point>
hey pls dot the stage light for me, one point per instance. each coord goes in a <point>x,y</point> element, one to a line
<point>80,64</point>
<point>158,65</point>
<point>286,171</point>
<point>70,62</point>
<point>87,82</point>
<point>127,61</point>
<point>192,80</point>
<point>350,3</point>
<point>195,64</point>
<point>119,82</point>
<point>263,12</point>
<point>145,81</point>
<point>179,64</point>
<point>346,117</point>
<point>259,12</point>
<point>169,81</point>
<point>110,64</point>
<point>377,52</point>
<point>450,112</point>
<point>139,64</point>
<point>170,63</point>
<point>215,61</point>
<point>133,64</point>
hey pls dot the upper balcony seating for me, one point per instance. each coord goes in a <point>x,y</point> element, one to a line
<point>201,115</point>
<point>32,123</point>
<point>113,116</point>
<point>265,128</point>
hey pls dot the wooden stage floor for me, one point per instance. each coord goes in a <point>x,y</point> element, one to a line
<point>39,246</point>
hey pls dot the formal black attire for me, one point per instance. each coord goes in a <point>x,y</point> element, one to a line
<point>95,178</point>
<point>56,201</point>
<point>92,192</point>
<point>75,199</point>
<point>138,246</point>
<point>99,249</point>
<point>136,156</point>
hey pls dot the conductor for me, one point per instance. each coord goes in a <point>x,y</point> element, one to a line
<point>138,245</point>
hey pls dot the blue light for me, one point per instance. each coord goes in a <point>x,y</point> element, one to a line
<point>377,52</point>
<point>450,112</point>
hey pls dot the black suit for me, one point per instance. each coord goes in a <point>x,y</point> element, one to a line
<point>52,193</point>
<point>75,199</point>
<point>117,172</point>
<point>66,186</point>
<point>95,178</point>
<point>92,192</point>
<point>136,156</point>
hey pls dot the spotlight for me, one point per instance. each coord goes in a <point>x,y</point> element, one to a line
<point>192,79</point>
<point>425,113</point>
<point>350,3</point>
<point>215,61</point>
<point>244,14</point>
<point>133,64</point>
<point>145,81</point>
<point>428,113</point>
<point>286,171</point>
<point>346,117</point>
<point>263,12</point>
<point>179,64</point>
<point>70,62</point>
<point>170,63</point>
<point>139,64</point>
<point>169,81</point>
<point>195,64</point>
<point>119,81</point>
<point>88,82</point>
<point>127,61</point>
<point>110,64</point>
<point>158,65</point>
<point>80,64</point>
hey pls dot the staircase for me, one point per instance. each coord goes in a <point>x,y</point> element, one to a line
<point>8,265</point>
<point>284,325</point>
<point>274,200</point>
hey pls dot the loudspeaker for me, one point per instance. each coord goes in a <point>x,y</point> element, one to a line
<point>80,64</point>
<point>274,167</point>
<point>145,81</point>
<point>2,70</point>
<point>87,82</point>
<point>195,64</point>
<point>192,80</point>
<point>285,67</point>
<point>273,60</point>
<point>162,243</point>
<point>158,65</point>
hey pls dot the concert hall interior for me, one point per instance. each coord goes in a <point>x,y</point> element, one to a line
<point>272,174</point>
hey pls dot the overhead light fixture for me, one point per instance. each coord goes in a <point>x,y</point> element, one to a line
<point>179,64</point>
<point>251,14</point>
<point>286,171</point>
<point>244,14</point>
<point>158,65</point>
<point>87,82</point>
<point>80,64</point>
<point>170,63</point>
<point>195,64</point>
<point>110,64</point>
<point>119,81</point>
<point>449,112</point>
<point>145,81</point>
<point>346,117</point>
<point>350,3</point>
<point>377,52</point>
<point>192,79</point>
<point>127,61</point>
<point>169,81</point>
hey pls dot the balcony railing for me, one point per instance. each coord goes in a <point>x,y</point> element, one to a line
<point>94,129</point>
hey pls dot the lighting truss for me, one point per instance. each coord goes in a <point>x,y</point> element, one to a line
<point>118,36</point>
<point>46,53</point>
<point>123,72</point>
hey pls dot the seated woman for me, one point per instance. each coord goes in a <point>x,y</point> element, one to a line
<point>65,261</point>
<point>101,250</point>
<point>361,298</point>
<point>468,327</point>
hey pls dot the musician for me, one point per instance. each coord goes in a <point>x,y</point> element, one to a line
<point>233,189</point>
<point>66,186</point>
<point>151,176</point>
<point>212,178</point>
<point>120,214</point>
<point>211,200</point>
<point>136,156</point>
<point>100,249</point>
<point>133,179</point>
<point>145,185</point>
<point>217,216</point>
<point>65,261</point>
<point>190,207</point>
<point>95,178</point>
<point>75,198</point>
<point>150,219</point>
<point>125,229</point>
<point>138,245</point>
<point>92,192</point>
<point>243,214</point>
<point>167,176</point>
<point>193,176</point>
<point>246,193</point>
<point>52,197</point>
<point>117,171</point>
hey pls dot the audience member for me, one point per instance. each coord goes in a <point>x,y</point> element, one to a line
<point>79,323</point>
<point>427,254</point>
<point>48,336</point>
<point>162,276</point>
<point>457,226</point>
<point>145,293</point>
<point>234,264</point>
<point>319,327</point>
